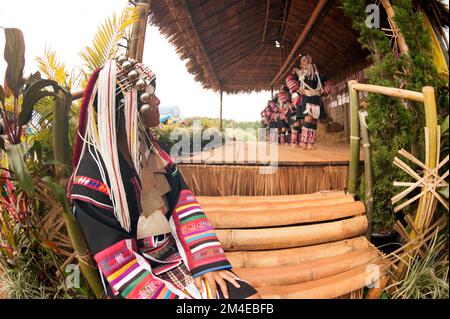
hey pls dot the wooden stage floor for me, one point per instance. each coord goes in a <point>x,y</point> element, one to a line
<point>262,153</point>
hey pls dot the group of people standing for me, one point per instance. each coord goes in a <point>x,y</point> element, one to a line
<point>292,115</point>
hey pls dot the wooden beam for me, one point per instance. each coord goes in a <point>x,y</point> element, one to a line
<point>138,30</point>
<point>221,104</point>
<point>311,22</point>
<point>266,20</point>
<point>184,13</point>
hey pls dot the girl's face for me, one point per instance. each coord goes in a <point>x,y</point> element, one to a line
<point>304,63</point>
<point>150,118</point>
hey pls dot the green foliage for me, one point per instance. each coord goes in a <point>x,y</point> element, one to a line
<point>419,67</point>
<point>17,165</point>
<point>426,276</point>
<point>389,122</point>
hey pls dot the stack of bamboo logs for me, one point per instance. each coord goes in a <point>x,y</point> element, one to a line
<point>296,246</point>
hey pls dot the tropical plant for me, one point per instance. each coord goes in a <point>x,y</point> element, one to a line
<point>389,122</point>
<point>426,275</point>
<point>40,167</point>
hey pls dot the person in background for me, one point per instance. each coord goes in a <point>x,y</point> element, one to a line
<point>312,86</point>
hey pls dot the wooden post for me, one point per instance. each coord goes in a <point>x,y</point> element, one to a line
<point>402,46</point>
<point>432,157</point>
<point>221,104</point>
<point>353,169</point>
<point>138,30</point>
<point>368,172</point>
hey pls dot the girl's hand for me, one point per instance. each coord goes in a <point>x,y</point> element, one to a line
<point>217,278</point>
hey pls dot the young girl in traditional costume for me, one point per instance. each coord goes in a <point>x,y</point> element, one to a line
<point>312,86</point>
<point>144,227</point>
<point>293,85</point>
<point>285,109</point>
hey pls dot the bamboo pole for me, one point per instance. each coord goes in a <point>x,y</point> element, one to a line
<point>353,169</point>
<point>292,256</point>
<point>268,205</point>
<point>283,216</point>
<point>368,173</point>
<point>325,288</point>
<point>220,112</point>
<point>293,236</point>
<point>432,156</point>
<point>241,200</point>
<point>307,271</point>
<point>392,92</point>
<point>403,47</point>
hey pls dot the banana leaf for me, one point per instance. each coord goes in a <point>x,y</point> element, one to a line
<point>15,154</point>
<point>15,57</point>
<point>32,94</point>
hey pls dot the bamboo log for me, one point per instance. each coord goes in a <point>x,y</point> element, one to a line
<point>353,169</point>
<point>308,271</point>
<point>267,205</point>
<point>392,92</point>
<point>368,173</point>
<point>324,288</point>
<point>292,256</point>
<point>282,216</point>
<point>288,237</point>
<point>239,200</point>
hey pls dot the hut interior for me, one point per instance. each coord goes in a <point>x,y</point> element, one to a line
<point>244,46</point>
<point>309,235</point>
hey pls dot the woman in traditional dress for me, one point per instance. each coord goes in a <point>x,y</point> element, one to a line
<point>144,227</point>
<point>312,87</point>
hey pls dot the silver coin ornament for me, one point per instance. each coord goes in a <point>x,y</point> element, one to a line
<point>133,76</point>
<point>133,62</point>
<point>140,85</point>
<point>126,66</point>
<point>145,98</point>
<point>121,59</point>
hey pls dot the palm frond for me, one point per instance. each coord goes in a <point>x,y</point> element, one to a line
<point>56,70</point>
<point>105,43</point>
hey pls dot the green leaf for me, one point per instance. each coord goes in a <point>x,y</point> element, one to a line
<point>59,192</point>
<point>444,125</point>
<point>28,106</point>
<point>444,192</point>
<point>32,78</point>
<point>15,154</point>
<point>15,57</point>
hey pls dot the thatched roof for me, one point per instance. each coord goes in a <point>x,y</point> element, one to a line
<point>231,45</point>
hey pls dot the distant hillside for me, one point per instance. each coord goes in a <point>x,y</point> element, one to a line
<point>214,122</point>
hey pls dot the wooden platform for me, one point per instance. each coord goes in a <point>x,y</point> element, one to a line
<point>299,246</point>
<point>262,153</point>
<point>262,169</point>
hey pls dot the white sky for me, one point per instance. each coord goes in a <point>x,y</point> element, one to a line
<point>67,26</point>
